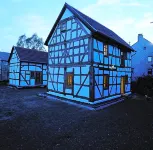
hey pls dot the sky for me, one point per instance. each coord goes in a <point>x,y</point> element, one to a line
<point>127,18</point>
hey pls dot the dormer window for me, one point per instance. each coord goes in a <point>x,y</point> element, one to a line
<point>63,27</point>
<point>105,49</point>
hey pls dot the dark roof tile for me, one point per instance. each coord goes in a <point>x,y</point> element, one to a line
<point>31,55</point>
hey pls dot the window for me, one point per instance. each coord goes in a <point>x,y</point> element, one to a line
<point>69,80</point>
<point>63,27</point>
<point>126,79</point>
<point>32,74</point>
<point>106,81</point>
<point>149,71</point>
<point>132,71</point>
<point>123,57</point>
<point>105,50</point>
<point>149,59</point>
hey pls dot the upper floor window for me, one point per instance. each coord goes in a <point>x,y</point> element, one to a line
<point>63,27</point>
<point>123,58</point>
<point>105,49</point>
<point>106,81</point>
<point>149,59</point>
<point>124,55</point>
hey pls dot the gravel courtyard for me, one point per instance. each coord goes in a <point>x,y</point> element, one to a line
<point>29,122</point>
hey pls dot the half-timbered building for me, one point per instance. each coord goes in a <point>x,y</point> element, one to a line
<point>4,68</point>
<point>87,61</point>
<point>27,67</point>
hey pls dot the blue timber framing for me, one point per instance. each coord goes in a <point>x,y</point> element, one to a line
<point>73,50</point>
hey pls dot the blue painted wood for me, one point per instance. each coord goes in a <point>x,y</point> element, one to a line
<point>77,51</point>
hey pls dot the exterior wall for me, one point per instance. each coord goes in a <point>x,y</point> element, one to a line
<point>14,69</point>
<point>102,66</point>
<point>25,75</point>
<point>140,63</point>
<point>4,70</point>
<point>74,51</point>
<point>69,51</point>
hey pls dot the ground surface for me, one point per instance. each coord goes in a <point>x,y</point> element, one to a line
<point>28,122</point>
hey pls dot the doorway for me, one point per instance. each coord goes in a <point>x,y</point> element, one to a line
<point>122,85</point>
<point>38,77</point>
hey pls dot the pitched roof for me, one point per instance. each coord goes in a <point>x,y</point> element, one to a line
<point>4,56</point>
<point>31,55</point>
<point>93,25</point>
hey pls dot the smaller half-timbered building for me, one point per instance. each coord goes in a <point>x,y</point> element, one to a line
<point>87,61</point>
<point>4,68</point>
<point>27,67</point>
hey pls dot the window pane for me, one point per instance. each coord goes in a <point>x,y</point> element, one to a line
<point>105,49</point>
<point>149,59</point>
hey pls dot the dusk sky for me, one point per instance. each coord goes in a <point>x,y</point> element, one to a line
<point>127,18</point>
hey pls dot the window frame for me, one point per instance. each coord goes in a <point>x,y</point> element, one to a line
<point>69,76</point>
<point>105,49</point>
<point>106,85</point>
<point>123,58</point>
<point>63,26</point>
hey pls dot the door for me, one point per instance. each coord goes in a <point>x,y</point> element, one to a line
<point>38,78</point>
<point>122,85</point>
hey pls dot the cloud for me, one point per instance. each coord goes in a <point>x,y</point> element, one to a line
<point>34,24</point>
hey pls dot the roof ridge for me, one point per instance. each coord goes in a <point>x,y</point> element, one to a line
<point>29,49</point>
<point>89,17</point>
<point>104,30</point>
<point>94,26</point>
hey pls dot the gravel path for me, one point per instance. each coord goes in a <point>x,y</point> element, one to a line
<point>28,122</point>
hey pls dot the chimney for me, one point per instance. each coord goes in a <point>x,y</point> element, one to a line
<point>140,37</point>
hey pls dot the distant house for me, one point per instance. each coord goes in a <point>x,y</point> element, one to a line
<point>27,68</point>
<point>4,68</point>
<point>87,61</point>
<point>142,59</point>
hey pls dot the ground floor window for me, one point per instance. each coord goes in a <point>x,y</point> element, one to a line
<point>149,71</point>
<point>106,81</point>
<point>69,80</point>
